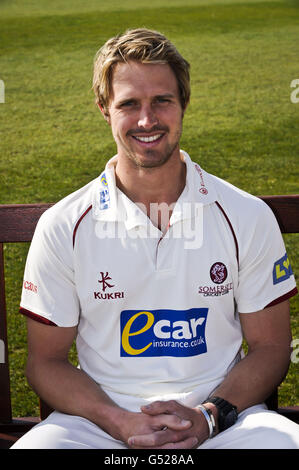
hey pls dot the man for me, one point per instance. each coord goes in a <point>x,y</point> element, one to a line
<point>158,270</point>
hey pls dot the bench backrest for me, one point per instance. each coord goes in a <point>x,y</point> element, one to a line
<point>17,224</point>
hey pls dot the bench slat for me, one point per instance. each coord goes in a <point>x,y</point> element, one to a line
<point>286,211</point>
<point>18,221</point>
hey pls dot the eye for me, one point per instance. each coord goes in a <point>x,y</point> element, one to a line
<point>128,104</point>
<point>162,99</point>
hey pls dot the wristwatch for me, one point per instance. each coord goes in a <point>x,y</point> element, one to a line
<point>227,413</point>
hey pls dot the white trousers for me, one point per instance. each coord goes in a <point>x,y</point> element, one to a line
<point>256,428</point>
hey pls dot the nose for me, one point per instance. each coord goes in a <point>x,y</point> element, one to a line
<point>147,117</point>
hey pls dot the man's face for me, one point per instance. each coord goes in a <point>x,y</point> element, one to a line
<point>145,113</point>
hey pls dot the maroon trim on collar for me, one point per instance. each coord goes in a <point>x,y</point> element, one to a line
<point>282,298</point>
<point>232,230</point>
<point>78,223</point>
<point>36,317</point>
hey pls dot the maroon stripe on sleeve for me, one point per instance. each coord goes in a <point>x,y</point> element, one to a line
<point>286,296</point>
<point>36,317</point>
<point>78,223</point>
<point>232,230</point>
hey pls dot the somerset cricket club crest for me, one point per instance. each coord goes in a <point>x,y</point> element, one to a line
<point>105,282</point>
<point>218,273</point>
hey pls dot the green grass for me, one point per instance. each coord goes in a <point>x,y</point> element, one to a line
<point>241,124</point>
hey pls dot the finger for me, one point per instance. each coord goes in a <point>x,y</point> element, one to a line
<point>162,440</point>
<point>189,443</point>
<point>147,440</point>
<point>155,439</point>
<point>170,421</point>
<point>175,416</point>
<point>158,407</point>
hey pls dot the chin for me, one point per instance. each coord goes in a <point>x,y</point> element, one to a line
<point>151,159</point>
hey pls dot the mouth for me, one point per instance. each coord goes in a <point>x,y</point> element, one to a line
<point>148,140</point>
<point>151,138</point>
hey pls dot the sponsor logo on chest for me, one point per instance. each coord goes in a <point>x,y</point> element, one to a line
<point>106,283</point>
<point>152,333</point>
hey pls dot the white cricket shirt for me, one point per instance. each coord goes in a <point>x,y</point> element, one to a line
<point>156,315</point>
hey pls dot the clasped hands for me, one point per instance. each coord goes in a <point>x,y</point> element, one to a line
<point>166,425</point>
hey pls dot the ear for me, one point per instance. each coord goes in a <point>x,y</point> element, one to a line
<point>104,113</point>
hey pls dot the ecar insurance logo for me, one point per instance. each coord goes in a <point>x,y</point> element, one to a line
<point>179,333</point>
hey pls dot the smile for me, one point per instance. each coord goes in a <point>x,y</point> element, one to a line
<point>151,138</point>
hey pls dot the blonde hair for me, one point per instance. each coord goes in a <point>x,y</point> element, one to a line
<point>142,45</point>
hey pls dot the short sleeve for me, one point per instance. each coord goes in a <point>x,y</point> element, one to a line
<point>49,292</point>
<point>265,272</point>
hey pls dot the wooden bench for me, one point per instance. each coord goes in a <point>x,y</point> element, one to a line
<point>17,224</point>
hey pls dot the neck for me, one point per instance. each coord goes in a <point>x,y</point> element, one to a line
<point>158,185</point>
<point>146,185</point>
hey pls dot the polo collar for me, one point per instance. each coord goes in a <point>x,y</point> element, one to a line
<point>111,205</point>
<point>104,201</point>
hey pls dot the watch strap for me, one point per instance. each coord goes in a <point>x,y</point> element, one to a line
<point>227,413</point>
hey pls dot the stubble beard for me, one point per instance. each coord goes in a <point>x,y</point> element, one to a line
<point>154,158</point>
